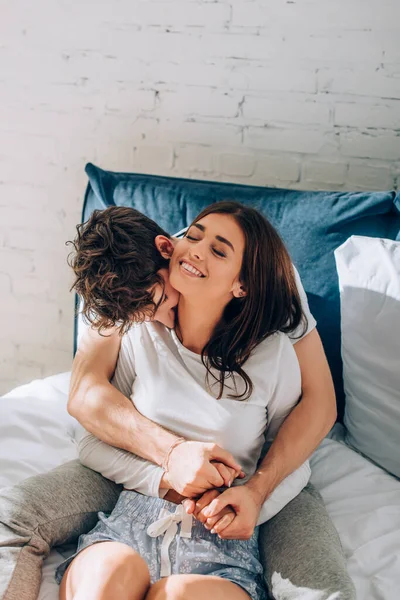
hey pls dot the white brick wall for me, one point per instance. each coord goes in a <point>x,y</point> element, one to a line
<point>298,94</point>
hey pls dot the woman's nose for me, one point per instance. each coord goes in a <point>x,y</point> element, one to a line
<point>196,252</point>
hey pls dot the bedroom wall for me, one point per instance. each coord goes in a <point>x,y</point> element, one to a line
<point>297,94</point>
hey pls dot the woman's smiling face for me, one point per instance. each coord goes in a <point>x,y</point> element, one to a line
<point>208,260</point>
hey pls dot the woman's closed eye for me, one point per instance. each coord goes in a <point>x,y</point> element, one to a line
<point>217,252</point>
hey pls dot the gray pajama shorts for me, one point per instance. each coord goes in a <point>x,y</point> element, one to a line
<point>172,542</point>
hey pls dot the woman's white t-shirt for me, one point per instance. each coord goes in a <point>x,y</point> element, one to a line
<point>167,383</point>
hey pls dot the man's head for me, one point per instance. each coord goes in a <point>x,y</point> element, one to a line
<point>121,263</point>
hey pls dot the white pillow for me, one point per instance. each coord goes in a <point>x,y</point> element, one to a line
<point>369,280</point>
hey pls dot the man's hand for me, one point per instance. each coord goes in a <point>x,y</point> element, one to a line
<point>246,503</point>
<point>195,467</point>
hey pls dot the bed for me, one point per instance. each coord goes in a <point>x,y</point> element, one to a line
<point>363,500</point>
<point>345,246</point>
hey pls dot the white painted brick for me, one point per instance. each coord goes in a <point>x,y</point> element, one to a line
<point>122,98</point>
<point>52,266</point>
<point>16,261</point>
<point>283,111</point>
<point>8,369</point>
<point>391,45</point>
<point>281,76</point>
<point>146,157</point>
<point>37,146</point>
<point>274,170</point>
<point>201,132</point>
<point>227,46</point>
<point>239,76</point>
<point>168,75</point>
<point>239,165</point>
<point>343,47</point>
<point>31,353</point>
<point>33,322</point>
<point>27,372</point>
<point>316,186</point>
<point>28,239</point>
<point>34,309</point>
<point>363,145</point>
<point>152,46</point>
<point>26,218</point>
<point>368,177</point>
<point>194,159</point>
<point>117,154</point>
<point>324,172</point>
<point>29,170</point>
<point>285,140</point>
<point>31,286</point>
<point>203,102</point>
<point>182,14</point>
<point>8,353</point>
<point>7,384</point>
<point>360,81</point>
<point>317,16</point>
<point>5,283</point>
<point>98,84</point>
<point>23,196</point>
<point>384,116</point>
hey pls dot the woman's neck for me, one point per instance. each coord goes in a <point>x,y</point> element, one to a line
<point>196,323</point>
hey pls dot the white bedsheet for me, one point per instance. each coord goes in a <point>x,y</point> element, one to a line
<point>36,434</point>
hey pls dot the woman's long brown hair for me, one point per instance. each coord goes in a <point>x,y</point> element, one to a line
<point>272,302</point>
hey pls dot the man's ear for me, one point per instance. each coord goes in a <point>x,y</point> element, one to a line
<point>238,290</point>
<point>164,245</point>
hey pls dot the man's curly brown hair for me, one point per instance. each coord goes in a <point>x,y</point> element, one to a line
<point>116,264</point>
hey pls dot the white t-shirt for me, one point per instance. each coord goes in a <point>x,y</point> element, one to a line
<point>167,384</point>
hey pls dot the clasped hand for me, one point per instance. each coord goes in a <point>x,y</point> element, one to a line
<point>195,470</point>
<point>232,514</point>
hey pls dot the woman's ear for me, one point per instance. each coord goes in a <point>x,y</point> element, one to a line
<point>164,245</point>
<point>239,291</point>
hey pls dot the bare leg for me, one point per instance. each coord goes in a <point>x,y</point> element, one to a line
<point>106,571</point>
<point>195,587</point>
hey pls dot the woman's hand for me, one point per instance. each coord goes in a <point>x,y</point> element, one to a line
<point>224,518</point>
<point>244,501</point>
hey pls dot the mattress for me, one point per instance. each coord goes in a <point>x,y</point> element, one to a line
<point>37,434</point>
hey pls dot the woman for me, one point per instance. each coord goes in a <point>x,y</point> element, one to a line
<point>228,374</point>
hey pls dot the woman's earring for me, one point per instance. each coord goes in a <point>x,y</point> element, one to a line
<point>241,294</point>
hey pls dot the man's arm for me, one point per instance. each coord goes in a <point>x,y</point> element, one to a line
<point>108,414</point>
<point>105,411</point>
<point>308,423</point>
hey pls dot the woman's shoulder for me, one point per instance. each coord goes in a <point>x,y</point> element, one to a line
<point>273,342</point>
<point>275,348</point>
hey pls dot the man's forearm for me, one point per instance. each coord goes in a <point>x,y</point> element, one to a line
<point>300,434</point>
<point>122,425</point>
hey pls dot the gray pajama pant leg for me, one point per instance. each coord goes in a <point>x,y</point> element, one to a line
<point>300,548</point>
<point>43,511</point>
